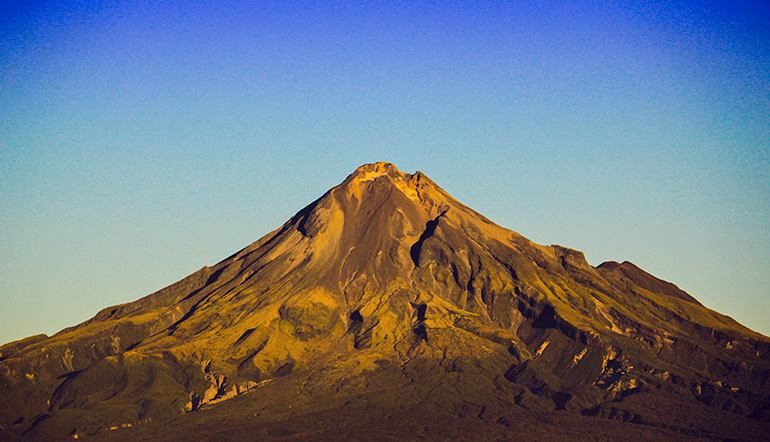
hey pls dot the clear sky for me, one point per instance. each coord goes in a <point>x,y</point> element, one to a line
<point>142,140</point>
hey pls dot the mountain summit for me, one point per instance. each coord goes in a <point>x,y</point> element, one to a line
<point>388,309</point>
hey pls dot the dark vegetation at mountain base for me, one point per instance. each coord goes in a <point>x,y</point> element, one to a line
<point>387,310</point>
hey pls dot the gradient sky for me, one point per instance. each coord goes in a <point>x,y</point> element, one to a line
<point>140,141</point>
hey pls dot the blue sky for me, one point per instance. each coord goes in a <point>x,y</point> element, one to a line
<point>140,141</point>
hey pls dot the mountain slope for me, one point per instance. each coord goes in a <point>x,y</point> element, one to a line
<point>387,291</point>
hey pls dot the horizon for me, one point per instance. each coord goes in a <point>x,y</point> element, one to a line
<point>142,142</point>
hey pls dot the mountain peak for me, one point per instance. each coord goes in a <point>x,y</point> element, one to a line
<point>374,181</point>
<point>371,171</point>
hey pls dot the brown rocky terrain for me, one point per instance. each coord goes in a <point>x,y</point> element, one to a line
<point>388,310</point>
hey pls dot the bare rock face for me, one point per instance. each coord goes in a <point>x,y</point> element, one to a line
<point>384,300</point>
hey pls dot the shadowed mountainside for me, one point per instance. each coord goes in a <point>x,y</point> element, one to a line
<point>387,308</point>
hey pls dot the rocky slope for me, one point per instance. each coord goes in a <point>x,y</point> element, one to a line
<point>386,297</point>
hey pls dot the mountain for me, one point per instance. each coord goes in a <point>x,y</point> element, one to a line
<point>386,309</point>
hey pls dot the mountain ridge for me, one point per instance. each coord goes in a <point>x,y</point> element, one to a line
<point>387,275</point>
